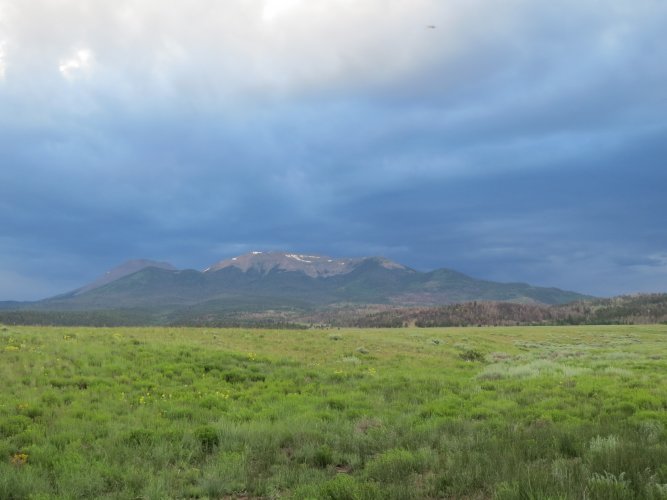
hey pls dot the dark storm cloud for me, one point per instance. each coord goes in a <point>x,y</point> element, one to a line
<point>520,142</point>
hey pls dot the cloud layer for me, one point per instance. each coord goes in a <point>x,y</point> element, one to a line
<point>518,141</point>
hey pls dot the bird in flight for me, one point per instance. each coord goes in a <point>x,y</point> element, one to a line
<point>431,26</point>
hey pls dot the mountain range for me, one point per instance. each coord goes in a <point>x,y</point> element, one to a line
<point>261,281</point>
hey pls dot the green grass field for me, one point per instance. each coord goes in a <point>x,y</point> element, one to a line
<point>550,412</point>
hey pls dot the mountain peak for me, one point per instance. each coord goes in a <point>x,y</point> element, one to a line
<point>126,268</point>
<point>264,280</point>
<point>315,266</point>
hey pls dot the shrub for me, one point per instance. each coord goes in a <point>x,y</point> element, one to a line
<point>13,425</point>
<point>609,487</point>
<point>603,445</point>
<point>395,465</point>
<point>650,431</point>
<point>140,437</point>
<point>342,487</point>
<point>208,437</point>
<point>336,404</point>
<point>471,355</point>
<point>323,456</point>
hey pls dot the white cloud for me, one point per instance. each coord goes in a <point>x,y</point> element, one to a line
<point>239,46</point>
<point>76,65</point>
<point>216,51</point>
<point>3,42</point>
<point>3,64</point>
<point>274,9</point>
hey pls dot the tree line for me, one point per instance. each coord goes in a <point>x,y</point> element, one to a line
<point>634,309</point>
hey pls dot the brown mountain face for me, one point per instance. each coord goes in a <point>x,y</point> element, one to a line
<point>315,266</point>
<point>125,269</point>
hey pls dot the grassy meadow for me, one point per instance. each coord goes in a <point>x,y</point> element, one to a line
<point>507,413</point>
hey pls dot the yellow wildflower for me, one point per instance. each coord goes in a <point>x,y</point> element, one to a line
<point>19,458</point>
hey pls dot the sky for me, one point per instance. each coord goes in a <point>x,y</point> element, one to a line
<point>522,140</point>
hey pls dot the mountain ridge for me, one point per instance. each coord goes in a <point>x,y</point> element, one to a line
<point>262,280</point>
<point>126,268</point>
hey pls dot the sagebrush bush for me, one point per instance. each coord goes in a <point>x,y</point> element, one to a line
<point>608,486</point>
